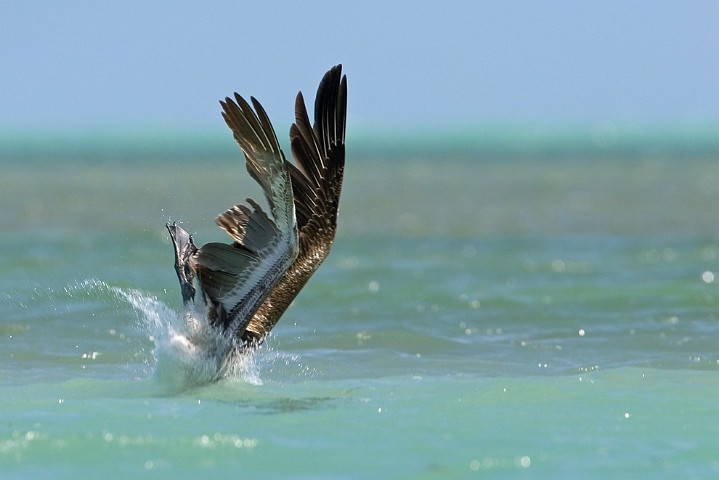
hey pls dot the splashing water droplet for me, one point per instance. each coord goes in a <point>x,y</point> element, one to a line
<point>188,352</point>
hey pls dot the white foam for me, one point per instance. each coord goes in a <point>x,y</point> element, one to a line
<point>188,351</point>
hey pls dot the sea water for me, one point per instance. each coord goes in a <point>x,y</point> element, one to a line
<point>480,316</point>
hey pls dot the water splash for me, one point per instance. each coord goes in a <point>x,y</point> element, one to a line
<point>188,352</point>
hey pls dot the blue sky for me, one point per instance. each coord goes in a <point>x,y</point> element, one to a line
<point>139,65</point>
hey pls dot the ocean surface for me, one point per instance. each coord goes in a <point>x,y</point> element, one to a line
<point>526,313</point>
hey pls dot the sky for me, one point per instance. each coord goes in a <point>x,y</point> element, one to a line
<point>141,65</point>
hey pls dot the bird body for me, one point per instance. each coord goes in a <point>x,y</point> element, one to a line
<point>244,287</point>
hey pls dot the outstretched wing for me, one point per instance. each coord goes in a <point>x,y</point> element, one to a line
<point>236,278</point>
<point>319,151</point>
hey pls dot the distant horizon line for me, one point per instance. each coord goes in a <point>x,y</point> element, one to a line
<point>499,139</point>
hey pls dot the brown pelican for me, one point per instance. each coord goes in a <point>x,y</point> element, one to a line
<point>245,286</point>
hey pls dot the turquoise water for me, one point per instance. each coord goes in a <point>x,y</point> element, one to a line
<point>481,315</point>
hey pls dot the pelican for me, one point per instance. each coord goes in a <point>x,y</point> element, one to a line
<point>243,288</point>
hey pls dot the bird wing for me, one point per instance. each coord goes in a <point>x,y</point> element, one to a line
<point>319,152</point>
<point>238,277</point>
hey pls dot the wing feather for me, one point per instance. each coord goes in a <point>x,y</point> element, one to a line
<point>316,180</point>
<point>238,277</point>
<point>220,267</point>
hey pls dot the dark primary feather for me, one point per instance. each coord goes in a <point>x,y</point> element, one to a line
<point>319,152</point>
<point>250,133</point>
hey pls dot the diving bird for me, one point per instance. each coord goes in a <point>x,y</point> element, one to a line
<point>242,288</point>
